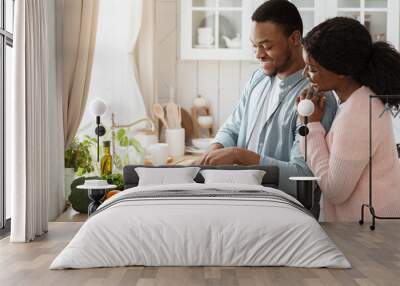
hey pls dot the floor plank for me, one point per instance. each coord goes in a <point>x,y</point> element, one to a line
<point>71,215</point>
<point>375,257</point>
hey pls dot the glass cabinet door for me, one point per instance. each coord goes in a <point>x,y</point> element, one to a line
<point>230,34</point>
<point>230,3</point>
<point>204,3</point>
<point>215,29</point>
<point>372,13</point>
<point>217,24</point>
<point>203,29</point>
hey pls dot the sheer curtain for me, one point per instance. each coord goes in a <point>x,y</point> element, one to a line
<point>29,123</point>
<point>145,53</point>
<point>114,72</point>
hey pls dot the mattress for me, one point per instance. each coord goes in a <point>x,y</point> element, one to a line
<point>201,225</point>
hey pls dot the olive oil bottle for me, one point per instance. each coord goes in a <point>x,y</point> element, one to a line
<point>106,160</point>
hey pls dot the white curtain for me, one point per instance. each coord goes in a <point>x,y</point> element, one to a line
<point>55,101</point>
<point>114,77</point>
<point>145,53</point>
<point>29,123</point>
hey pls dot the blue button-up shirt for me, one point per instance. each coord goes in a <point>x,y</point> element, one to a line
<point>279,140</point>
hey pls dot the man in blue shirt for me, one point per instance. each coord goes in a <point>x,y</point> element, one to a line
<point>262,130</point>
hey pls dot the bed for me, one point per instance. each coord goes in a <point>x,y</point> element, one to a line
<point>197,224</point>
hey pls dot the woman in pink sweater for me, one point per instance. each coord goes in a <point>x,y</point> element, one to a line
<point>340,56</point>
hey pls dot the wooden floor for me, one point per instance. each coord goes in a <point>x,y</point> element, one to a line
<point>70,215</point>
<point>375,257</point>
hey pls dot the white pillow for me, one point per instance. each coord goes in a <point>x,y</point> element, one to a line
<point>248,177</point>
<point>165,176</point>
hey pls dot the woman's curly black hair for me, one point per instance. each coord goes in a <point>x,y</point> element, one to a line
<point>344,46</point>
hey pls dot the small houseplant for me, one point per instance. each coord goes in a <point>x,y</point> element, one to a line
<point>77,161</point>
<point>78,156</point>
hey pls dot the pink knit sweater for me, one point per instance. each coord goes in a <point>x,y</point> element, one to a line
<point>341,160</point>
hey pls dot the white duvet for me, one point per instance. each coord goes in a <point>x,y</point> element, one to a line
<point>200,231</point>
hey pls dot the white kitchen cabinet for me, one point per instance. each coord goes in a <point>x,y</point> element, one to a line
<point>381,17</point>
<point>229,18</point>
<point>215,29</point>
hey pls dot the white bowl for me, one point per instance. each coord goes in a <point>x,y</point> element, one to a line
<point>202,143</point>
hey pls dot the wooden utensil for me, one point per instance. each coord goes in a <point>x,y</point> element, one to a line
<point>158,112</point>
<point>187,124</point>
<point>173,115</point>
<point>179,115</point>
<point>172,110</point>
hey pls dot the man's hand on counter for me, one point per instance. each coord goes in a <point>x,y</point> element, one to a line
<point>218,155</point>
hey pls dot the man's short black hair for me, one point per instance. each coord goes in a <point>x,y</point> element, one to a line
<point>280,12</point>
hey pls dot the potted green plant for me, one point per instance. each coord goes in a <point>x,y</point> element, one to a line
<point>78,160</point>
